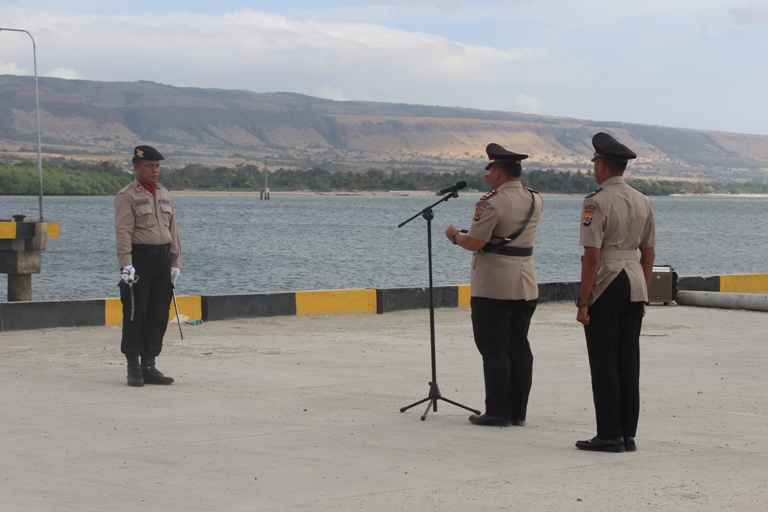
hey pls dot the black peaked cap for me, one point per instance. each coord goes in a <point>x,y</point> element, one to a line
<point>496,153</point>
<point>609,148</point>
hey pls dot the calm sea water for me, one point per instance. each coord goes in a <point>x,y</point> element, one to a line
<point>239,244</point>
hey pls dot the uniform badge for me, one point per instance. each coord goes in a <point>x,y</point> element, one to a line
<point>587,219</point>
<point>479,210</point>
<point>139,187</point>
<point>139,153</point>
<point>488,195</point>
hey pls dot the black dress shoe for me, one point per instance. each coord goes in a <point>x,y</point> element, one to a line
<point>518,423</point>
<point>154,376</point>
<point>489,421</point>
<point>629,444</point>
<point>602,445</point>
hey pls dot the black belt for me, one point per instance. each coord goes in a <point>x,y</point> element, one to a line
<point>508,251</point>
<point>150,249</point>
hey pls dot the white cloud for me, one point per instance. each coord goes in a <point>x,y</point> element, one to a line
<point>67,73</point>
<point>267,52</point>
<point>654,62</point>
<point>527,104</point>
<point>11,68</point>
<point>330,92</point>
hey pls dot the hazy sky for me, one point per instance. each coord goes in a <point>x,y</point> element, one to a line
<point>686,63</point>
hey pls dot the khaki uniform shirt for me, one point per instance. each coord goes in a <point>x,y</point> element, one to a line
<point>501,213</point>
<point>141,218</point>
<point>618,220</point>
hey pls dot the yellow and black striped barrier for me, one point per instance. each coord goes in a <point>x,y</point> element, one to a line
<point>83,313</point>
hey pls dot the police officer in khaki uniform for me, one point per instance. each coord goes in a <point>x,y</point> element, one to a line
<point>503,286</point>
<point>617,220</point>
<point>149,257</point>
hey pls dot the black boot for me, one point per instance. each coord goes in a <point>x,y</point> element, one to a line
<point>151,374</point>
<point>135,379</point>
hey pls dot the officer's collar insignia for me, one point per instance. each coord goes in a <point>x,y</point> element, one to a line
<point>139,187</point>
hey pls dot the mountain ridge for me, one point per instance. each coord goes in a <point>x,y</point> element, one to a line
<point>105,120</point>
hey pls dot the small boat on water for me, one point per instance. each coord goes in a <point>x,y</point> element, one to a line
<point>401,194</point>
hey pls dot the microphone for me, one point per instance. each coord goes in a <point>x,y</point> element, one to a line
<point>453,188</point>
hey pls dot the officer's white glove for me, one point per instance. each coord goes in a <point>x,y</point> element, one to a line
<point>175,271</point>
<point>127,273</point>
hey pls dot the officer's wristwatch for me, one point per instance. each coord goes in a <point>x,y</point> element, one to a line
<point>581,303</point>
<point>453,239</point>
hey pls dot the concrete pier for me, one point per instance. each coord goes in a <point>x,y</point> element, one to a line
<point>301,413</point>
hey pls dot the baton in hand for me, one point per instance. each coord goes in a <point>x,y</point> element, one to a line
<point>130,287</point>
<point>173,290</point>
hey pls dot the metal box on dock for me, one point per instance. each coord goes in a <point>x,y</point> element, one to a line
<point>663,285</point>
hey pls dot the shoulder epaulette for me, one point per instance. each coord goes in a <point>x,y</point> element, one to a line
<point>488,195</point>
<point>630,186</point>
<point>532,190</point>
<point>598,189</point>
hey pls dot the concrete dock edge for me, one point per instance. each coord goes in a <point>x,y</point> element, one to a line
<point>224,307</point>
<point>19,316</point>
<point>16,316</point>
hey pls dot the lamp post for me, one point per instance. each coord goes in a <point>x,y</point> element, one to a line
<point>37,109</point>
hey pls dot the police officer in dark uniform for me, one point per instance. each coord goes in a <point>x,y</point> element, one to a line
<point>503,286</point>
<point>617,220</point>
<point>149,258</point>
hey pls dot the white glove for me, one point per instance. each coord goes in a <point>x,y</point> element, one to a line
<point>175,271</point>
<point>127,273</point>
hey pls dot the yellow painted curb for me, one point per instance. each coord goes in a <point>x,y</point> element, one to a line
<point>190,306</point>
<point>464,295</point>
<point>320,302</point>
<point>113,312</point>
<point>744,283</point>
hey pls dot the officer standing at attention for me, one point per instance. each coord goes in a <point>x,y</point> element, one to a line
<point>149,257</point>
<point>503,286</point>
<point>617,220</point>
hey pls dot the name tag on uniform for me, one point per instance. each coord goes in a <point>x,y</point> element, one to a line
<point>141,202</point>
<point>163,201</point>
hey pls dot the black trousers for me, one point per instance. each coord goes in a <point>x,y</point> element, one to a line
<point>501,335</point>
<point>152,296</point>
<point>613,343</point>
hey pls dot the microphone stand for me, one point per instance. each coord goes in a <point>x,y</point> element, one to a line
<point>434,390</point>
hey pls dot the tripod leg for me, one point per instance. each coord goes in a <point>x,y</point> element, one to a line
<point>432,403</point>
<point>459,405</point>
<point>403,409</point>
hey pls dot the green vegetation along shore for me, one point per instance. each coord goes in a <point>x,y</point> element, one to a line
<point>106,178</point>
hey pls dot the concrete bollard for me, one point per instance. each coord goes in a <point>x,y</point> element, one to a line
<point>21,243</point>
<point>724,300</point>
